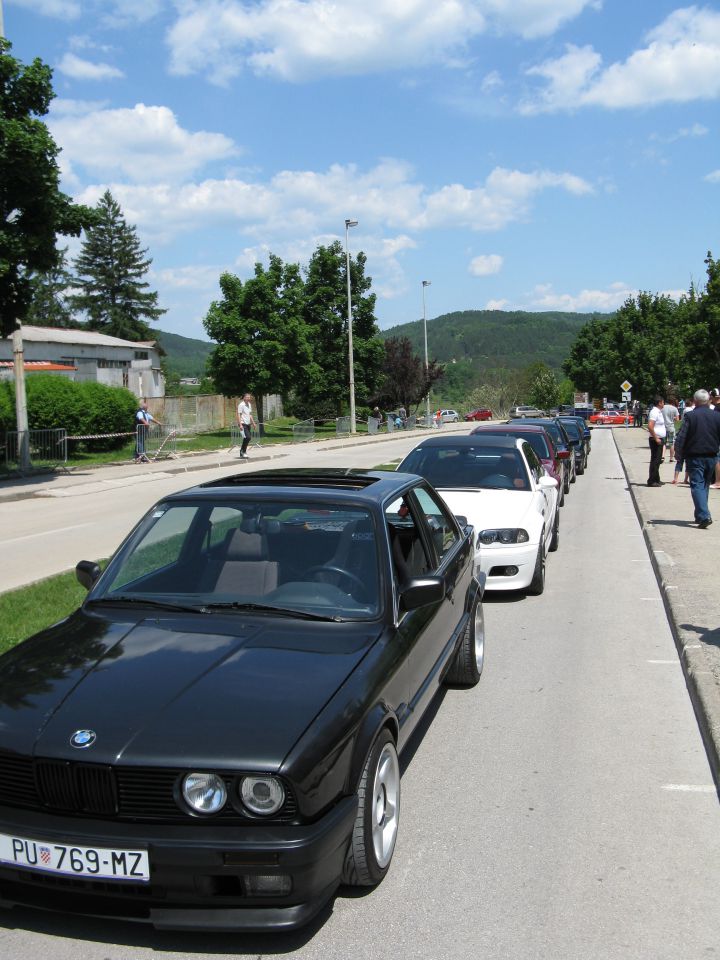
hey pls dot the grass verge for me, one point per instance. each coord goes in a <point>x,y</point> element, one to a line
<point>27,610</point>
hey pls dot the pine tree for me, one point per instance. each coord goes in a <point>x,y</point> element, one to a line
<point>109,269</point>
<point>49,291</point>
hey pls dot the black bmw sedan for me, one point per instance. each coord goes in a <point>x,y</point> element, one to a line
<point>212,739</point>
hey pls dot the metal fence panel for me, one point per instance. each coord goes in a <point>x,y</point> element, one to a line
<point>342,426</point>
<point>303,431</point>
<point>155,442</point>
<point>237,436</point>
<point>373,425</point>
<point>46,447</point>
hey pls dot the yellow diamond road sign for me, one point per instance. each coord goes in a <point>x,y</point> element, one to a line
<point>626,385</point>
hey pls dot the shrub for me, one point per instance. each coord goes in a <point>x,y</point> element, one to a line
<point>7,405</point>
<point>53,402</point>
<point>106,410</point>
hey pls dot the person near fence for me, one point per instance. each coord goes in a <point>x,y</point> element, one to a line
<point>246,423</point>
<point>143,419</point>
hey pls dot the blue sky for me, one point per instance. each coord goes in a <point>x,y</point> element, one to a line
<point>519,154</point>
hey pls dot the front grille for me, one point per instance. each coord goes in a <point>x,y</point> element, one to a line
<point>140,794</point>
<point>76,787</point>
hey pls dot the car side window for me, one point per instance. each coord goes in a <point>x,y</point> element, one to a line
<point>536,467</point>
<point>409,555</point>
<point>442,527</point>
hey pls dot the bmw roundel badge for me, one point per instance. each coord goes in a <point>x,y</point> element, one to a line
<point>83,738</point>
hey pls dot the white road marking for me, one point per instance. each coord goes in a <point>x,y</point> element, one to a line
<point>662,661</point>
<point>690,787</point>
<point>47,533</point>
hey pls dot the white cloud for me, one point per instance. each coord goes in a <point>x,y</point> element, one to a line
<point>78,69</point>
<point>680,63</point>
<point>713,177</point>
<point>144,144</point>
<point>497,304</point>
<point>299,39</point>
<point>65,9</point>
<point>307,203</point>
<point>485,265</point>
<point>545,298</point>
<point>696,130</point>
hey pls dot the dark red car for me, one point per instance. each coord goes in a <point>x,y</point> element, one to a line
<point>481,414</point>
<point>542,444</point>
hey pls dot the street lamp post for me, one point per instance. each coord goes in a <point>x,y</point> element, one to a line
<point>426,283</point>
<point>351,363</point>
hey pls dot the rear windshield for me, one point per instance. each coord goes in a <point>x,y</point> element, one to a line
<point>459,468</point>
<point>572,429</point>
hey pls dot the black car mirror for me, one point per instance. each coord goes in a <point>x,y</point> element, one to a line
<point>462,521</point>
<point>422,591</point>
<point>87,573</point>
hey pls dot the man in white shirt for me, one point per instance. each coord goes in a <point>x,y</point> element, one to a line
<point>657,430</point>
<point>245,422</point>
<point>671,415</point>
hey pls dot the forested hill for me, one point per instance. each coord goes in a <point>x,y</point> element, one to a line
<point>184,355</point>
<point>496,338</point>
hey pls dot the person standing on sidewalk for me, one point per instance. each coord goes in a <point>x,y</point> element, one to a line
<point>698,443</point>
<point>143,419</point>
<point>657,430</point>
<point>246,423</point>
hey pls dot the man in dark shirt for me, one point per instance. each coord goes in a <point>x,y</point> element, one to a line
<point>699,443</point>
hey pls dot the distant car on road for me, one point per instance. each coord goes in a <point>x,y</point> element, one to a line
<point>449,416</point>
<point>609,418</point>
<point>481,414</point>
<point>525,411</point>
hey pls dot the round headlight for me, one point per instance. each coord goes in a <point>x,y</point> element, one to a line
<point>262,795</point>
<point>204,792</point>
<point>487,537</point>
<point>506,536</point>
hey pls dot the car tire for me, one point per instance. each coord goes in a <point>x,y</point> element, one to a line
<point>555,538</point>
<point>566,483</point>
<point>467,665</point>
<point>376,825</point>
<point>561,487</point>
<point>537,584</point>
<point>580,469</point>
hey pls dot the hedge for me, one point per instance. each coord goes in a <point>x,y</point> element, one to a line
<point>80,408</point>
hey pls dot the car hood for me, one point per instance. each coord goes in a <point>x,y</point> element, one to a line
<point>181,691</point>
<point>494,508</point>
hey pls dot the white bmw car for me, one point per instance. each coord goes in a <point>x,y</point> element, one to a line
<point>502,488</point>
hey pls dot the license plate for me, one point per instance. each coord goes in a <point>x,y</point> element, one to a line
<point>103,863</point>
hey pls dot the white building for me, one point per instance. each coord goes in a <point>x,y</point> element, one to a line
<point>91,356</point>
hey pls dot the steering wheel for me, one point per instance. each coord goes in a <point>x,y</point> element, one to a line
<point>327,568</point>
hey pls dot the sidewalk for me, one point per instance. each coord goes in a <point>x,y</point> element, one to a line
<point>63,481</point>
<point>684,561</point>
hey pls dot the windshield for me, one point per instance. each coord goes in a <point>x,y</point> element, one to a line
<point>458,468</point>
<point>319,560</point>
<point>572,429</point>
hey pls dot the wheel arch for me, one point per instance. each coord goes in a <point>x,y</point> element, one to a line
<point>375,721</point>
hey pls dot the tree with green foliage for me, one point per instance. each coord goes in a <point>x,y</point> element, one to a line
<point>326,388</point>
<point>33,211</point>
<point>642,342</point>
<point>49,291</point>
<point>544,391</point>
<point>109,277</point>
<point>262,340</point>
<point>405,381</point>
<point>700,318</point>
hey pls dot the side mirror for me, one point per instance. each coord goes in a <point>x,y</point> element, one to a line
<point>87,573</point>
<point>422,591</point>
<point>462,521</point>
<point>547,481</point>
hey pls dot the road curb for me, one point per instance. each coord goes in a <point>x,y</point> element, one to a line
<point>698,679</point>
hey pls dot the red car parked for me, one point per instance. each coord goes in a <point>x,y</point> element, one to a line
<point>542,444</point>
<point>482,414</point>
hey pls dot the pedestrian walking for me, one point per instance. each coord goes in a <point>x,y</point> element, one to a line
<point>671,415</point>
<point>657,431</point>
<point>698,442</point>
<point>143,419</point>
<point>246,423</point>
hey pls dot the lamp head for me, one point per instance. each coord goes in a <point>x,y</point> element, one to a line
<point>351,223</point>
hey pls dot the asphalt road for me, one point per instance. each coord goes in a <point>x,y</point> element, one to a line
<point>562,809</point>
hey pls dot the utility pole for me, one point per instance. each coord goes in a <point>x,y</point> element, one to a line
<point>19,368</point>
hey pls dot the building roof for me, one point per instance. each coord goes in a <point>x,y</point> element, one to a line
<point>39,366</point>
<point>81,337</point>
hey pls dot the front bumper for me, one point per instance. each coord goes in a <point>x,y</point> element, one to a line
<point>498,560</point>
<point>196,871</point>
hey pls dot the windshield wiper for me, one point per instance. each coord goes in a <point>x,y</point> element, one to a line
<point>148,601</point>
<point>265,608</point>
